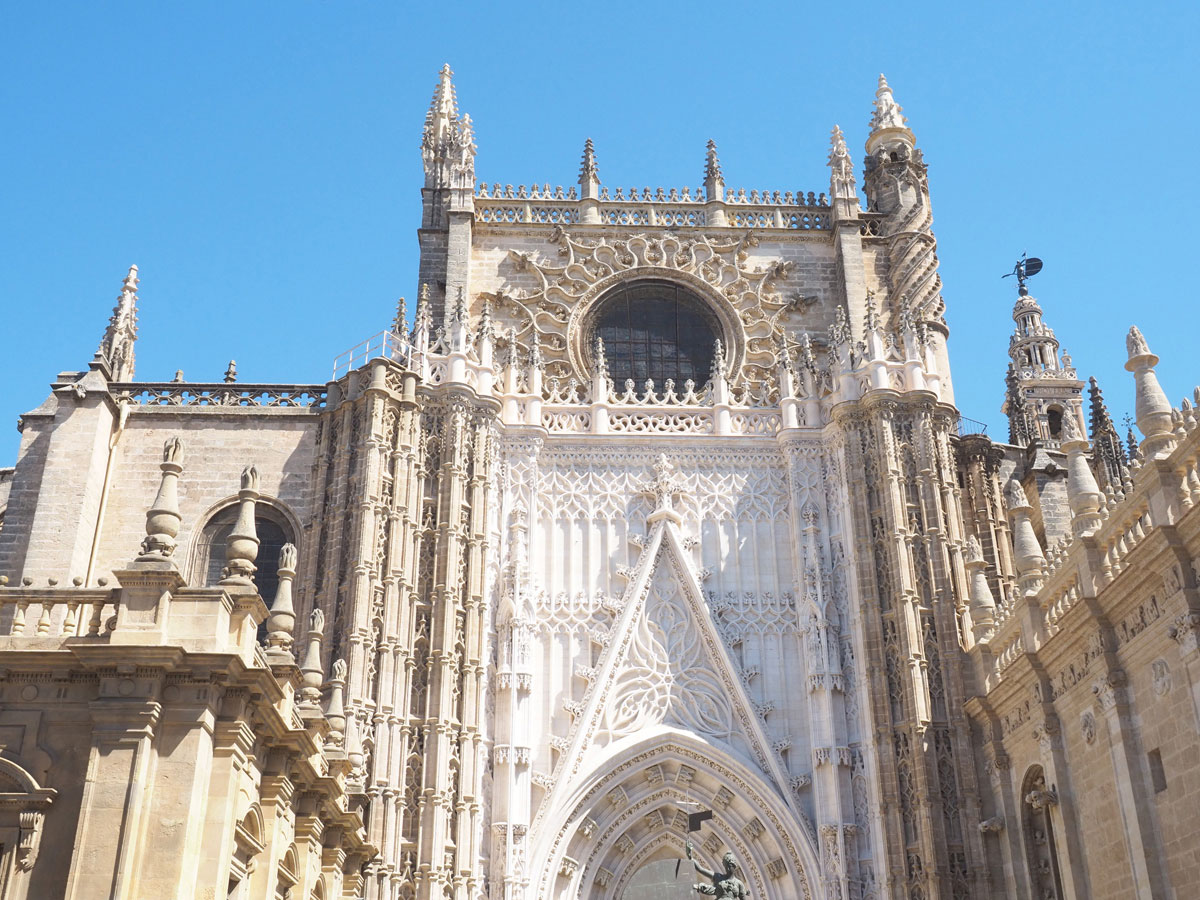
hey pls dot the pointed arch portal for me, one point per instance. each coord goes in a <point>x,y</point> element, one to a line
<point>668,728</point>
<point>631,810</point>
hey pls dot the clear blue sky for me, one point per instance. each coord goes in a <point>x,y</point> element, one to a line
<point>259,161</point>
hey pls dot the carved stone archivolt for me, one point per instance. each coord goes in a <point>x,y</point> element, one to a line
<point>619,838</point>
<point>752,305</point>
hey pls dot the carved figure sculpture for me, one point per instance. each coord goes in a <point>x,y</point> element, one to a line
<point>726,885</point>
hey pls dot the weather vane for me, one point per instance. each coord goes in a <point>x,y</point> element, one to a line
<point>1025,268</point>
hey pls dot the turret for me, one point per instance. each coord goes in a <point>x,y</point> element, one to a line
<point>1042,387</point>
<point>447,199</point>
<point>895,182</point>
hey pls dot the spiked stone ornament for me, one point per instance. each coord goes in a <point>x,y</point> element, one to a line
<point>281,624</point>
<point>589,174</point>
<point>312,671</point>
<point>714,181</point>
<point>887,121</point>
<point>231,372</point>
<point>163,518</point>
<point>242,549</point>
<point>664,487</point>
<point>400,320</point>
<point>1083,493</point>
<point>335,711</point>
<point>983,604</point>
<point>1153,408</point>
<point>1030,560</point>
<point>116,347</point>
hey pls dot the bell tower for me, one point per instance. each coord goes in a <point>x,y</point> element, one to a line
<point>1043,388</point>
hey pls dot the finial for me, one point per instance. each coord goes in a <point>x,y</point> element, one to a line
<point>1151,405</point>
<point>231,372</point>
<point>400,321</point>
<point>535,351</point>
<point>871,318</point>
<point>487,328</point>
<point>281,624</point>
<point>888,113</point>
<point>839,332</point>
<point>588,172</point>
<point>116,347</point>
<point>1136,344</point>
<point>1014,495</point>
<point>839,155</point>
<point>1070,428</point>
<point>443,108</point>
<point>242,548</point>
<point>806,352</point>
<point>458,310</point>
<point>424,309</point>
<point>601,360</point>
<point>163,518</point>
<point>719,368</point>
<point>178,379</point>
<point>713,179</point>
<point>314,674</point>
<point>335,712</point>
<point>663,487</point>
<point>974,553</point>
<point>982,603</point>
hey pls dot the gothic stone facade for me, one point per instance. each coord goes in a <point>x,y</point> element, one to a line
<point>492,611</point>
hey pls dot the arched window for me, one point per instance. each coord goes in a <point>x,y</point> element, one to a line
<point>273,530</point>
<point>655,330</point>
<point>1054,416</point>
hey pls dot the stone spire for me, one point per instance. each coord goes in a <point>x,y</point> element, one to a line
<point>714,181</point>
<point>888,124</point>
<point>447,140</point>
<point>843,189</point>
<point>1042,388</point>
<point>115,352</point>
<point>400,320</point>
<point>1151,404</point>
<point>896,184</point>
<point>589,175</point>
<point>1109,456</point>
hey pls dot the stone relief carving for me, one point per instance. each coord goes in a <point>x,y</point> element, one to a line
<point>667,675</point>
<point>750,302</point>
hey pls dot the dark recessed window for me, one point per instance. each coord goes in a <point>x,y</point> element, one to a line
<point>656,330</point>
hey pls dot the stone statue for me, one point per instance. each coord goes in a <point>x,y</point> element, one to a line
<point>726,885</point>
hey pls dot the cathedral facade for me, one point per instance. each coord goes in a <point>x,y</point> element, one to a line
<point>656,533</point>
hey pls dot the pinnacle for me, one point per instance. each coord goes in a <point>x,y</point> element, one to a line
<point>444,104</point>
<point>712,163</point>
<point>587,166</point>
<point>888,113</point>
